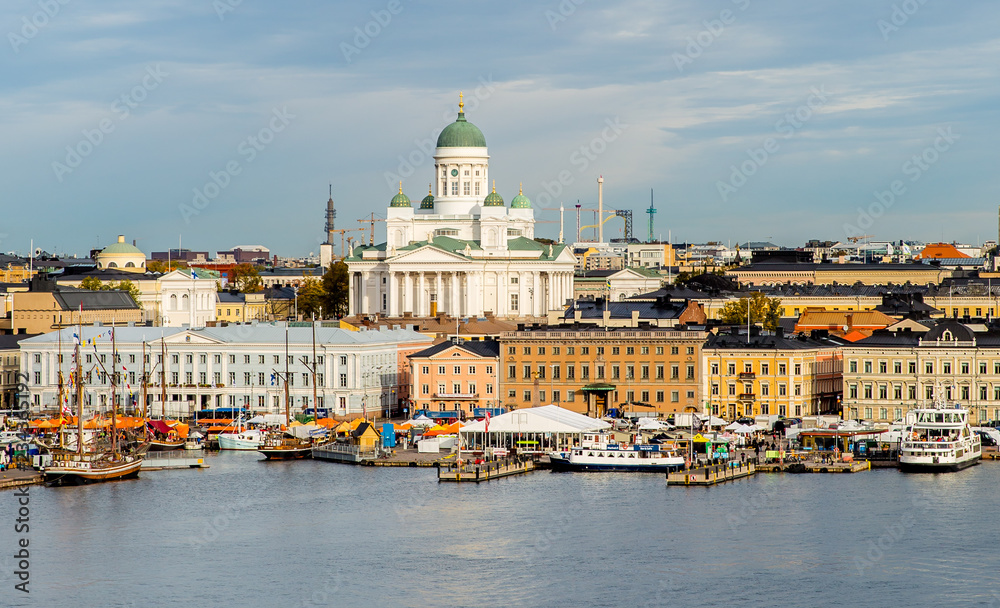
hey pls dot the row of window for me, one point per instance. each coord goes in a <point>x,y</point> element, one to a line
<point>175,378</point>
<point>457,369</point>
<point>630,396</point>
<point>600,350</point>
<point>189,358</point>
<point>765,389</point>
<point>539,371</point>
<point>868,391</point>
<point>456,389</point>
<point>964,367</point>
<point>765,369</point>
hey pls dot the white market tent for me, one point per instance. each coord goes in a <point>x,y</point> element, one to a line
<point>651,424</point>
<point>535,429</point>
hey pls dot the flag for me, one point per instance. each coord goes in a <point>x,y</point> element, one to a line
<point>696,425</point>
<point>193,274</point>
<point>272,379</point>
<point>487,421</point>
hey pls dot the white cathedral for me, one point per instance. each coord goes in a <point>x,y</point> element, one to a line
<point>462,252</point>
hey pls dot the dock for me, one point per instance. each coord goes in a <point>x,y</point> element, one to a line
<point>486,471</point>
<point>815,467</point>
<point>13,478</point>
<point>342,452</point>
<point>711,475</point>
<point>174,459</point>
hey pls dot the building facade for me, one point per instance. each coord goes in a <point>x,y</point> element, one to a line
<point>651,371</point>
<point>462,251</point>
<point>891,372</point>
<point>457,376</point>
<point>239,365</point>
<point>770,375</point>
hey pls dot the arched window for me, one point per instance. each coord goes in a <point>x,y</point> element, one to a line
<point>946,335</point>
<point>173,302</point>
<point>112,265</point>
<point>185,302</point>
<point>129,265</point>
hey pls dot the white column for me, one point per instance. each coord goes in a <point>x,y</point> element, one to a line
<point>407,293</point>
<point>453,293</point>
<point>365,293</point>
<point>438,293</point>
<point>420,298</point>
<point>352,294</point>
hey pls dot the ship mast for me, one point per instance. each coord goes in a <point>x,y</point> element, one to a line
<point>145,381</point>
<point>163,379</point>
<point>313,370</point>
<point>287,417</point>
<point>114,395</point>
<point>79,386</point>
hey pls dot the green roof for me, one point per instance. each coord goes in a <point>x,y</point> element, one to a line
<point>520,201</point>
<point>400,200</point>
<point>493,199</point>
<point>428,202</point>
<point>122,247</point>
<point>461,134</point>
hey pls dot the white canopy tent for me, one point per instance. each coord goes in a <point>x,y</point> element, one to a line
<point>536,429</point>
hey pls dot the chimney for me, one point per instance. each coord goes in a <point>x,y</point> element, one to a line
<point>600,209</point>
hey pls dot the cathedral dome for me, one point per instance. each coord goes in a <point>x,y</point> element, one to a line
<point>400,200</point>
<point>461,133</point>
<point>520,201</point>
<point>428,202</point>
<point>493,199</point>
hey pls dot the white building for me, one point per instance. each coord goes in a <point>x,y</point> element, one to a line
<point>237,365</point>
<point>462,251</point>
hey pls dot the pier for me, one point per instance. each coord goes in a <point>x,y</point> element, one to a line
<point>815,467</point>
<point>711,475</point>
<point>173,459</point>
<point>486,471</point>
<point>13,478</point>
<point>342,452</point>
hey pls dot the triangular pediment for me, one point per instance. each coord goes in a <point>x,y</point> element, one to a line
<point>428,254</point>
<point>191,337</point>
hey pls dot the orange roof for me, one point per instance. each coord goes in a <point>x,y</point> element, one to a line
<point>837,320</point>
<point>854,336</point>
<point>939,251</point>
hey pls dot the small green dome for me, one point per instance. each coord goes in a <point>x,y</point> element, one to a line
<point>493,199</point>
<point>461,133</point>
<point>400,200</point>
<point>122,247</point>
<point>520,201</point>
<point>428,202</point>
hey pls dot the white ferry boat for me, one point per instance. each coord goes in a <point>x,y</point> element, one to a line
<point>251,439</point>
<point>939,439</point>
<point>600,452</point>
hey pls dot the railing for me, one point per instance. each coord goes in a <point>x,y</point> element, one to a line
<point>167,455</point>
<point>747,397</point>
<point>747,375</point>
<point>456,395</point>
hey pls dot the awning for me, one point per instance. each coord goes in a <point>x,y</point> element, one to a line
<point>598,387</point>
<point>159,426</point>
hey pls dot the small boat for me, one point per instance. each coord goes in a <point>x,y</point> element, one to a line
<point>281,446</point>
<point>250,439</point>
<point>163,445</point>
<point>72,468</point>
<point>163,437</point>
<point>600,452</point>
<point>939,439</point>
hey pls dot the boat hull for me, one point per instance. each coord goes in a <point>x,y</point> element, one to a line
<point>286,453</point>
<point>565,464</point>
<point>164,446</point>
<point>69,474</point>
<point>938,467</point>
<point>234,443</point>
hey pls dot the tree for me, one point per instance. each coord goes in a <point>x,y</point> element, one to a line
<point>246,278</point>
<point>162,266</point>
<point>311,297</point>
<point>763,310</point>
<point>91,283</point>
<point>336,288</point>
<point>127,286</point>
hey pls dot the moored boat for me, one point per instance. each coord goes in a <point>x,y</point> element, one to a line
<point>246,440</point>
<point>280,446</point>
<point>939,439</point>
<point>600,452</point>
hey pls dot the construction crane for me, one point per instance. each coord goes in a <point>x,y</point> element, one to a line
<point>371,220</point>
<point>626,214</point>
<point>342,232</point>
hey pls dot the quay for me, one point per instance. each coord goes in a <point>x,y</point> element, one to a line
<point>486,471</point>
<point>13,478</point>
<point>815,467</point>
<point>173,459</point>
<point>711,475</point>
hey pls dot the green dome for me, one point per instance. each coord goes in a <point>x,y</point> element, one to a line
<point>520,201</point>
<point>400,200</point>
<point>493,199</point>
<point>428,202</point>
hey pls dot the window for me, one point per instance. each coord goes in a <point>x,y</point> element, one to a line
<point>456,388</point>
<point>732,388</point>
<point>489,370</point>
<point>526,350</point>
<point>883,367</point>
<point>600,350</point>
<point>584,350</point>
<point>570,372</point>
<point>731,370</point>
<point>764,369</point>
<point>305,379</point>
<point>883,391</point>
<point>441,369</point>
<point>585,372</point>
<point>555,350</point>
<point>689,350</point>
<point>570,350</point>
<point>343,359</point>
<point>946,367</point>
<point>659,372</point>
<point>675,396</point>
<point>982,367</point>
<point>489,389</point>
<point>675,372</point>
<point>527,395</point>
<point>798,369</point>
<point>472,370</point>
<point>629,350</point>
<point>232,359</point>
<point>514,301</point>
<point>897,367</point>
<point>454,188</point>
<point>644,396</point>
<point>674,350</point>
<point>217,377</point>
<point>458,370</point>
<point>246,378</point>
<point>246,359</point>
<point>570,396</point>
<point>260,378</point>
<point>425,369</point>
<point>527,372</point>
<point>929,367</point>
<point>555,396</point>
<point>912,367</point>
<point>852,391</point>
<point>555,372</point>
<point>645,372</point>
<point>511,372</point>
<point>852,366</point>
<point>600,372</point>
<point>260,359</point>
<point>629,372</point>
<point>232,378</point>
<point>466,188</point>
<point>782,389</point>
<point>765,389</point>
<point>343,380</point>
<point>798,390</point>
<point>782,369</point>
<point>690,372</point>
<point>868,367</point>
<point>965,368</point>
<point>511,350</point>
<point>644,350</point>
<point>868,391</point>
<point>541,350</point>
<point>541,371</point>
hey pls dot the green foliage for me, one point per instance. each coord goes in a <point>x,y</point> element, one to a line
<point>311,298</point>
<point>246,278</point>
<point>94,284</point>
<point>162,266</point>
<point>763,310</point>
<point>336,289</point>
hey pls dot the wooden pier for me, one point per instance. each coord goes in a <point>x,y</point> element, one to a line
<point>815,467</point>
<point>711,475</point>
<point>486,471</point>
<point>174,459</point>
<point>13,478</point>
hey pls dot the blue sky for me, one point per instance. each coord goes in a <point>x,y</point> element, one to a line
<point>156,98</point>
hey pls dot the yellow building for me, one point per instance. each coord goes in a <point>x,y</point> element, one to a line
<point>43,311</point>
<point>654,371</point>
<point>770,374</point>
<point>122,256</point>
<point>240,307</point>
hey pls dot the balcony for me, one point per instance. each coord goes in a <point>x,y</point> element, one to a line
<point>747,397</point>
<point>456,395</point>
<point>747,376</point>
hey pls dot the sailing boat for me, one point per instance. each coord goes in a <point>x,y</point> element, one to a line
<point>160,439</point>
<point>279,445</point>
<point>81,466</point>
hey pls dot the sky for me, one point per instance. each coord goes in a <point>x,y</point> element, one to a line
<point>218,123</point>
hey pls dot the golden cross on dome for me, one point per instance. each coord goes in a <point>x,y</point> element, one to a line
<point>461,102</point>
<point>400,187</point>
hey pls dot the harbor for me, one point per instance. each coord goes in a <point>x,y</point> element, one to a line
<point>479,472</point>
